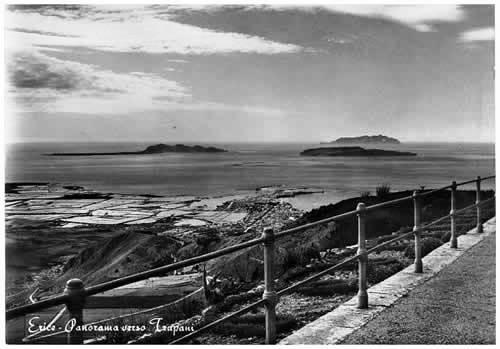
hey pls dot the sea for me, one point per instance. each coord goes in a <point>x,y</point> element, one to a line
<point>249,166</point>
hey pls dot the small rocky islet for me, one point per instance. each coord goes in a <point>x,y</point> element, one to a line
<point>154,149</point>
<point>353,151</point>
<point>375,139</point>
<point>323,151</point>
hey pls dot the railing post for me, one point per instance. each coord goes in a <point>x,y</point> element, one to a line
<point>76,292</point>
<point>417,233</point>
<point>478,208</point>
<point>363,258</point>
<point>269,295</point>
<point>453,227</point>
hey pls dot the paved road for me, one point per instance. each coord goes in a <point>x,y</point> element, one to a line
<point>456,307</point>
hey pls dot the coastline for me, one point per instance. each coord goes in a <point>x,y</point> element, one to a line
<point>41,216</point>
<point>243,169</point>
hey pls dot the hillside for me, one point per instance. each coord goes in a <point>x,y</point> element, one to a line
<point>353,151</point>
<point>367,140</point>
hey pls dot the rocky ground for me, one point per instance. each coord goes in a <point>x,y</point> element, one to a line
<point>310,302</point>
<point>49,225</point>
<point>71,232</point>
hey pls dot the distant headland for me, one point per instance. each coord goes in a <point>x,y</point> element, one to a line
<point>154,149</point>
<point>353,151</point>
<point>365,140</point>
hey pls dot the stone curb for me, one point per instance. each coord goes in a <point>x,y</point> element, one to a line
<point>333,327</point>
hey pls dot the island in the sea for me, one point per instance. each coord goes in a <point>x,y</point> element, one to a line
<point>154,149</point>
<point>353,151</point>
<point>366,140</point>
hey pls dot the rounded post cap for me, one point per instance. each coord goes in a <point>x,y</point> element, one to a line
<point>268,232</point>
<point>74,284</point>
<point>478,178</point>
<point>361,206</point>
<point>415,193</point>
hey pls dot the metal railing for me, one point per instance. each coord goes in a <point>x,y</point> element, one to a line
<point>75,294</point>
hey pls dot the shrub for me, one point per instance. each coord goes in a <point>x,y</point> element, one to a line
<point>377,273</point>
<point>300,255</point>
<point>327,288</point>
<point>394,247</point>
<point>438,234</point>
<point>446,237</point>
<point>206,236</point>
<point>364,194</point>
<point>428,244</point>
<point>382,190</point>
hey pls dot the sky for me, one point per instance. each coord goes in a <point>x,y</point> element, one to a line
<point>249,73</point>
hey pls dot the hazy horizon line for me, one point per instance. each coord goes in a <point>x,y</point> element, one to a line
<point>238,142</point>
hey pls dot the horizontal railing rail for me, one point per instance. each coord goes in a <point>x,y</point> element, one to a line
<point>324,272</point>
<point>75,293</point>
<point>106,286</point>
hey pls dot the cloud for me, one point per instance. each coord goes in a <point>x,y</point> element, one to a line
<point>40,82</point>
<point>418,17</point>
<point>126,29</point>
<point>41,32</point>
<point>478,34</point>
<point>177,60</point>
<point>224,107</point>
<point>27,73</point>
<point>423,27</point>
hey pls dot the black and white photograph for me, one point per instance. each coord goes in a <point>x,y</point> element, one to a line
<point>249,174</point>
